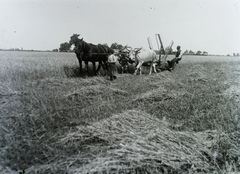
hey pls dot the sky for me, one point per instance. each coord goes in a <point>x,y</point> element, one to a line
<point>204,25</point>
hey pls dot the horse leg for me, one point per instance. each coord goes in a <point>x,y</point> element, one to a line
<point>126,68</point>
<point>86,66</point>
<point>80,64</point>
<point>94,68</point>
<point>135,73</point>
<point>123,68</point>
<point>106,67</point>
<point>138,67</point>
<point>154,67</point>
<point>99,66</point>
<point>151,68</point>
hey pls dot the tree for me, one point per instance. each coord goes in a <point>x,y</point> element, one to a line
<point>205,53</point>
<point>105,44</point>
<point>191,52</point>
<point>55,50</point>
<point>199,53</point>
<point>115,45</point>
<point>64,47</point>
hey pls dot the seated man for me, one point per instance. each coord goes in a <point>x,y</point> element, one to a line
<point>178,55</point>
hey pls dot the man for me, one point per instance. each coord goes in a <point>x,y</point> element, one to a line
<point>112,59</point>
<point>178,55</point>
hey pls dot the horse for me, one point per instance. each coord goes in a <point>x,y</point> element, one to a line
<point>123,58</point>
<point>89,52</point>
<point>144,56</point>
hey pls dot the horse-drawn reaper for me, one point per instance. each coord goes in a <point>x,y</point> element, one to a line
<point>141,57</point>
<point>88,52</point>
<point>146,57</point>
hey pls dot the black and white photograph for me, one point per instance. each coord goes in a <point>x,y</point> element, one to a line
<point>119,86</point>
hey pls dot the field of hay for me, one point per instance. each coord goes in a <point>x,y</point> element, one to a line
<point>52,121</point>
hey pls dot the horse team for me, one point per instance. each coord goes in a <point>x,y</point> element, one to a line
<point>107,57</point>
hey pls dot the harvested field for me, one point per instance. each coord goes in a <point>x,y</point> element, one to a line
<point>53,121</point>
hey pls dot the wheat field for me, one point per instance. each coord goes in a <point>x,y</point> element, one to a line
<point>53,121</point>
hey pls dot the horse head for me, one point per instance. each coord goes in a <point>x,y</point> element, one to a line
<point>137,50</point>
<point>133,53</point>
<point>74,39</point>
<point>78,43</point>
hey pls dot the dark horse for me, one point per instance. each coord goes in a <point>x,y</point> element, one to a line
<point>88,52</point>
<point>124,59</point>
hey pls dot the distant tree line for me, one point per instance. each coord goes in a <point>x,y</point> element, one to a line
<point>190,52</point>
<point>65,47</point>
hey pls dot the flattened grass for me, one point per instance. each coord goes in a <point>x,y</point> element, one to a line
<point>53,123</point>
